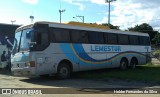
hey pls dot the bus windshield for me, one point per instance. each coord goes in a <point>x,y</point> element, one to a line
<point>22,40</point>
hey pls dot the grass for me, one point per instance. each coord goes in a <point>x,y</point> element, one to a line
<point>147,72</point>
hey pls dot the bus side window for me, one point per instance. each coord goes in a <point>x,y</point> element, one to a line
<point>44,40</point>
<point>133,39</point>
<point>39,36</point>
<point>106,37</point>
<point>60,35</point>
<point>123,39</point>
<point>96,38</point>
<point>147,41</point>
<point>112,38</point>
<point>144,40</point>
<point>79,36</point>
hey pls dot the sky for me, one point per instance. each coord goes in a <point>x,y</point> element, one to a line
<point>124,13</point>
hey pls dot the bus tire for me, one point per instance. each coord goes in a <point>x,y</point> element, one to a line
<point>63,71</point>
<point>123,64</point>
<point>133,63</point>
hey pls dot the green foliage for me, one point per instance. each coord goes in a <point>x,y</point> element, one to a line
<point>111,26</point>
<point>145,28</point>
<point>156,39</point>
<point>156,53</point>
<point>148,72</point>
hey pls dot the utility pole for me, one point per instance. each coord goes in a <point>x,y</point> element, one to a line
<point>60,12</point>
<point>109,1</point>
<point>81,17</point>
<point>13,21</point>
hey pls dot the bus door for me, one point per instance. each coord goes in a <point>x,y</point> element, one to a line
<point>43,60</point>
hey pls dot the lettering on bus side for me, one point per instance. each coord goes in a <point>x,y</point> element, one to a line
<point>101,48</point>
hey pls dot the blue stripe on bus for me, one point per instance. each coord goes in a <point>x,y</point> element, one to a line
<point>77,50</point>
<point>81,52</point>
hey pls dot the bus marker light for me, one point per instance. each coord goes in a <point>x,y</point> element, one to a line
<point>32,64</point>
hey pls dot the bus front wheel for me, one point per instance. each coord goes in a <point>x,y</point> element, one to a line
<point>63,71</point>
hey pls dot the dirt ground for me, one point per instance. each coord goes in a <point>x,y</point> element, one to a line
<point>75,87</point>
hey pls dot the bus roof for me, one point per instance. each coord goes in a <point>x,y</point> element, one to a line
<point>69,26</point>
<point>24,27</point>
<point>90,25</point>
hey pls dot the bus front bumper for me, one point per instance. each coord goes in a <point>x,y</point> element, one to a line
<point>26,72</point>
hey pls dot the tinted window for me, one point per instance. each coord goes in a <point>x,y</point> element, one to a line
<point>60,35</point>
<point>96,37</point>
<point>79,36</point>
<point>143,40</point>
<point>41,38</point>
<point>133,40</point>
<point>123,39</point>
<point>112,38</point>
<point>106,37</point>
<point>147,41</point>
<point>45,39</point>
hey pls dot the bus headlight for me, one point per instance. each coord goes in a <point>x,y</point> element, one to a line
<point>27,64</point>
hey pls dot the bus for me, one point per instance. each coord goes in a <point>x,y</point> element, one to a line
<point>6,40</point>
<point>46,48</point>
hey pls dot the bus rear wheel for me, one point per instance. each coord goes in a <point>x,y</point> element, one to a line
<point>133,63</point>
<point>123,64</point>
<point>63,71</point>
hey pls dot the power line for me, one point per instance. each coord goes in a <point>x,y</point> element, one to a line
<point>76,19</point>
<point>81,17</point>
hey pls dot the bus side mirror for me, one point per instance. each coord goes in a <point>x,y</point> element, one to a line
<point>32,43</point>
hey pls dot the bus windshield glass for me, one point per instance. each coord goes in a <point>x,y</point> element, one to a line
<point>22,40</point>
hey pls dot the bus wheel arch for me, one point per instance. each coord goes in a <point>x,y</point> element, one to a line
<point>64,69</point>
<point>133,63</point>
<point>124,63</point>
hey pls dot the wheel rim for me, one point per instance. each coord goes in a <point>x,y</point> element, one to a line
<point>64,71</point>
<point>123,65</point>
<point>133,65</point>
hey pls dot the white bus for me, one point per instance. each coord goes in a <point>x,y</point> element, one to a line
<point>59,49</point>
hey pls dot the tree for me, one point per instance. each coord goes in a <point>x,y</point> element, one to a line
<point>156,39</point>
<point>145,28</point>
<point>111,26</point>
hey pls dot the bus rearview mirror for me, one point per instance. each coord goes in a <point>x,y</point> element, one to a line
<point>32,43</point>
